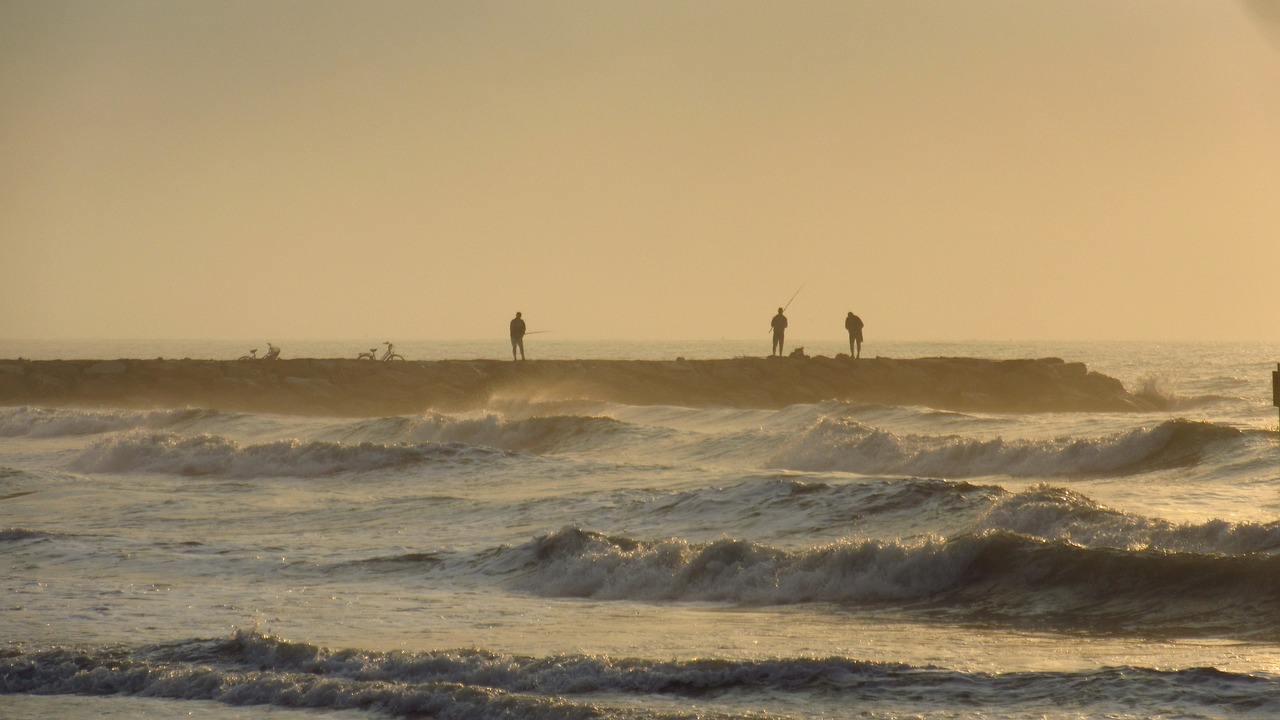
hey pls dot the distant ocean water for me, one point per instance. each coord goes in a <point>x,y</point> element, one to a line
<point>577,559</point>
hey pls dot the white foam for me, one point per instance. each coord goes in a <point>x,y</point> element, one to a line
<point>65,422</point>
<point>206,454</point>
<point>850,446</point>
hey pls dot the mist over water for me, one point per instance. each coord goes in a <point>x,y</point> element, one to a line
<point>570,558</point>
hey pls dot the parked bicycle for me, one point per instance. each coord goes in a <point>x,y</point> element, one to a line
<point>389,354</point>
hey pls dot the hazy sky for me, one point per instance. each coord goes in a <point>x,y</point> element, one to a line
<point>948,169</point>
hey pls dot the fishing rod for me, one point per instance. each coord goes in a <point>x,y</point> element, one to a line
<point>536,332</point>
<point>793,297</point>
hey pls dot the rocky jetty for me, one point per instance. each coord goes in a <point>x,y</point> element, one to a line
<point>364,388</point>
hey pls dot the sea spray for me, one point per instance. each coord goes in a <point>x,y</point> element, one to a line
<point>210,455</point>
<point>526,557</point>
<point>994,573</point>
<point>851,446</point>
<point>40,422</point>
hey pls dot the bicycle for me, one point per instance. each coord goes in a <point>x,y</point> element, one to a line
<point>272,353</point>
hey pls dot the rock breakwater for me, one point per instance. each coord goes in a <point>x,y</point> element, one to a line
<point>363,388</point>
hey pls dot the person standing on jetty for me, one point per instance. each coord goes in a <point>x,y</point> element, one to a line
<point>517,336</point>
<point>779,325</point>
<point>853,324</point>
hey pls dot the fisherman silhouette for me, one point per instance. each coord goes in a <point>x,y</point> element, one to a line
<point>853,324</point>
<point>517,336</point>
<point>779,325</point>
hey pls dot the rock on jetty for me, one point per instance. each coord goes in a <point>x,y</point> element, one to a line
<point>363,388</point>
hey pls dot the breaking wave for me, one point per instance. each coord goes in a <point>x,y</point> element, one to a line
<point>810,510</point>
<point>543,434</point>
<point>806,508</point>
<point>850,446</point>
<point>1157,393</point>
<point>63,422</point>
<point>556,433</point>
<point>1061,515</point>
<point>249,668</point>
<point>219,456</point>
<point>997,571</point>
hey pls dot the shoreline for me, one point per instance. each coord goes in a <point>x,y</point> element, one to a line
<point>343,387</point>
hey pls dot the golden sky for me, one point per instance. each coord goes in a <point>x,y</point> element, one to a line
<point>949,170</point>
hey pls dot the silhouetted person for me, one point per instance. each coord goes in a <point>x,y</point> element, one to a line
<point>779,325</point>
<point>853,324</point>
<point>517,336</point>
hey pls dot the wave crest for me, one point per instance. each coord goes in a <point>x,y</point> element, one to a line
<point>541,434</point>
<point>63,422</point>
<point>218,456</point>
<point>993,572</point>
<point>843,445</point>
<point>1062,515</point>
<point>250,668</point>
<point>580,563</point>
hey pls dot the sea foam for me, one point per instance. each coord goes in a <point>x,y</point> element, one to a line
<point>991,571</point>
<point>254,669</point>
<point>845,445</point>
<point>1058,514</point>
<point>39,422</point>
<point>205,454</point>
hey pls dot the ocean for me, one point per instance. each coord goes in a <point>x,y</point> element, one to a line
<point>572,558</point>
